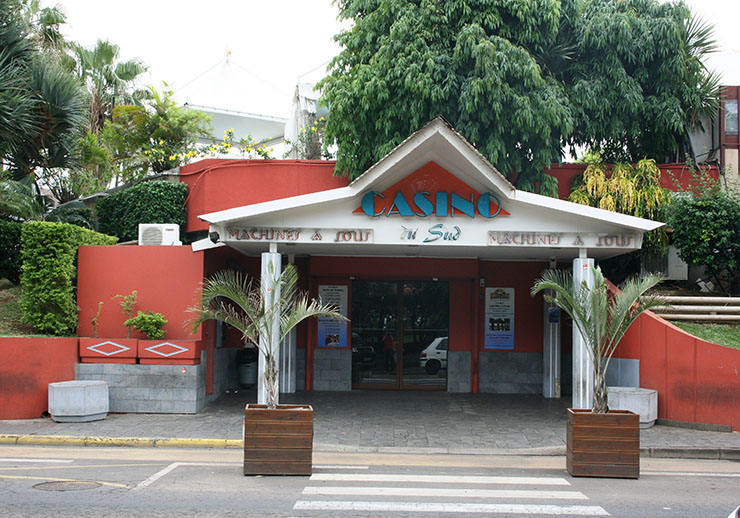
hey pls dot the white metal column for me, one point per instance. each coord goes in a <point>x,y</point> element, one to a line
<point>288,356</point>
<point>271,268</point>
<point>551,352</point>
<point>583,370</point>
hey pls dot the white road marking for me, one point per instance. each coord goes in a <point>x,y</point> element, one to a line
<point>440,507</point>
<point>444,492</point>
<point>339,466</point>
<point>159,474</point>
<point>45,461</point>
<point>689,474</point>
<point>441,479</point>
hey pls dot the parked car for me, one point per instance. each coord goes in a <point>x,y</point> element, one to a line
<point>434,357</point>
<point>363,356</point>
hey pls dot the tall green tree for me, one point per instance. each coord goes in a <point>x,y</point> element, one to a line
<point>403,63</point>
<point>154,137</point>
<point>41,103</point>
<point>519,79</point>
<point>637,81</point>
<point>110,82</point>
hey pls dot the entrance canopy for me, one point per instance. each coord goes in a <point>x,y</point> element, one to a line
<point>434,195</point>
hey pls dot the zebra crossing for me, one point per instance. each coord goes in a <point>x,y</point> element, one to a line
<point>339,493</point>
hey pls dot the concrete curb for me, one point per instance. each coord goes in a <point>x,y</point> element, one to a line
<point>235,444</point>
<point>135,442</point>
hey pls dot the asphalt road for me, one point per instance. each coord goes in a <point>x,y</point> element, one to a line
<point>87,482</point>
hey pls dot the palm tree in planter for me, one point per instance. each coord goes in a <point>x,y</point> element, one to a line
<point>601,442</point>
<point>278,438</point>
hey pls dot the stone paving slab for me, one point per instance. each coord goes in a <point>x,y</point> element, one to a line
<point>391,421</point>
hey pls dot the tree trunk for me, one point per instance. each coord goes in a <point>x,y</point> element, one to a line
<point>601,398</point>
<point>272,380</point>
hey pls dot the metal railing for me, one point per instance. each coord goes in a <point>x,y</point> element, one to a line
<point>700,309</point>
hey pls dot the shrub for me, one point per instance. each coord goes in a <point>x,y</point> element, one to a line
<point>151,324</point>
<point>49,252</point>
<point>10,259</point>
<point>159,201</point>
<point>706,230</point>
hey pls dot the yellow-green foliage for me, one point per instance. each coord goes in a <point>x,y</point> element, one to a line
<point>630,190</point>
<point>48,282</point>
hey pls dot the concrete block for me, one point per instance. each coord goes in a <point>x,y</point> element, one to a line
<point>638,400</point>
<point>78,401</point>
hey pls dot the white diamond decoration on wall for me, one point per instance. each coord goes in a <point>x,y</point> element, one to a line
<point>175,349</point>
<point>117,348</point>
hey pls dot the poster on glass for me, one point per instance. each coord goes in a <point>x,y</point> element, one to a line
<point>332,332</point>
<point>499,319</point>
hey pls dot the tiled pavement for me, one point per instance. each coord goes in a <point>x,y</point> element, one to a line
<point>388,421</point>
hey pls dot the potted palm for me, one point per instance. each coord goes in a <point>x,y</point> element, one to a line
<point>600,442</point>
<point>278,439</point>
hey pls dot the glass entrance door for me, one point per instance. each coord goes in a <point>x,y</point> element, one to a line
<point>400,334</point>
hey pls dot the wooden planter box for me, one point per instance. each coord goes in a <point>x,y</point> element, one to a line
<point>603,445</point>
<point>108,350</point>
<point>279,441</point>
<point>169,352</point>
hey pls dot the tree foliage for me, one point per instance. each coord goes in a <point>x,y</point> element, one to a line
<point>518,78</point>
<point>109,82</point>
<point>41,102</point>
<point>706,230</point>
<point>633,190</point>
<point>155,137</point>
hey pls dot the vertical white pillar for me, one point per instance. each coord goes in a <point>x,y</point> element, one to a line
<point>288,356</point>
<point>583,370</point>
<point>551,350</point>
<point>271,268</point>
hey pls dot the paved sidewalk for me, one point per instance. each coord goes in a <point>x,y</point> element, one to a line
<point>378,421</point>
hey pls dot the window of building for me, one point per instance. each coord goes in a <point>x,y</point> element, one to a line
<point>731,117</point>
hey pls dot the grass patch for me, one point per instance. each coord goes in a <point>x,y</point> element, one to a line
<point>10,311</point>
<point>720,334</point>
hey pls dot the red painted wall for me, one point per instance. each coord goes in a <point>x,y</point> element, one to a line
<point>223,184</point>
<point>528,316</point>
<point>675,176</point>
<point>697,381</point>
<point>28,366</point>
<point>166,279</point>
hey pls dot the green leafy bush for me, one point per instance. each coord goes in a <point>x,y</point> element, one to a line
<point>10,259</point>
<point>158,201</point>
<point>151,324</point>
<point>49,253</point>
<point>706,230</point>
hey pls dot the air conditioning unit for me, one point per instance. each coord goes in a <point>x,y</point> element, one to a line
<point>159,234</point>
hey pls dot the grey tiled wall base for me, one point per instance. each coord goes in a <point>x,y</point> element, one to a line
<point>506,372</point>
<point>332,369</point>
<point>162,389</point>
<point>458,371</point>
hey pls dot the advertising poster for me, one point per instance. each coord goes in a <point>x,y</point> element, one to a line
<point>499,318</point>
<point>332,332</point>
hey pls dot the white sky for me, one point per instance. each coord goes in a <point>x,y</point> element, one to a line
<point>276,40</point>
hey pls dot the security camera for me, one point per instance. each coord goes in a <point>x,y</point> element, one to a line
<point>553,263</point>
<point>214,236</point>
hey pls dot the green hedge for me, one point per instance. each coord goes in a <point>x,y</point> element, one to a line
<point>120,213</point>
<point>10,257</point>
<point>49,252</point>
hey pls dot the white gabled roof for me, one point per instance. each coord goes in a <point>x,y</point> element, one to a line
<point>437,141</point>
